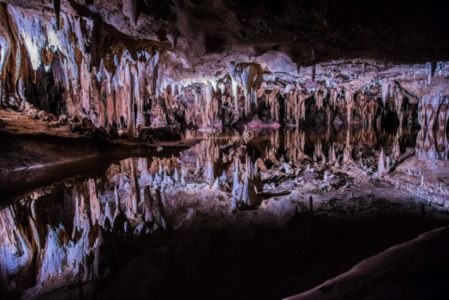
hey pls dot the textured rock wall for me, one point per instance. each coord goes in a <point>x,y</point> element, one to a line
<point>71,63</point>
<point>75,67</point>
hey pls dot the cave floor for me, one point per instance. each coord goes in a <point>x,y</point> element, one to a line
<point>21,124</point>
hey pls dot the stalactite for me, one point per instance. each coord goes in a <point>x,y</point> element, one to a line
<point>125,88</point>
<point>121,76</point>
<point>442,142</point>
<point>349,99</point>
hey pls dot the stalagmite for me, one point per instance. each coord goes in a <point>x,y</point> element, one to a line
<point>381,166</point>
<point>246,179</point>
<point>236,187</point>
<point>95,208</point>
<point>216,185</point>
<point>385,92</point>
<point>209,171</point>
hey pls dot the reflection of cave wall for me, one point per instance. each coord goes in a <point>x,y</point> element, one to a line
<point>58,232</point>
<point>372,113</point>
<point>140,196</point>
<point>314,115</point>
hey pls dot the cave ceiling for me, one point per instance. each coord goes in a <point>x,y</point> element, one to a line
<point>208,34</point>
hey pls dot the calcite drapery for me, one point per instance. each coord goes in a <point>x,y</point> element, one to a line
<point>81,67</point>
<point>67,70</point>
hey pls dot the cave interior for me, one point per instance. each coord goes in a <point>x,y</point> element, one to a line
<point>224,149</point>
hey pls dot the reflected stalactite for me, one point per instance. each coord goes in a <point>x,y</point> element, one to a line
<point>442,140</point>
<point>280,133</point>
<point>431,143</point>
<point>16,248</point>
<point>48,253</point>
<point>142,196</point>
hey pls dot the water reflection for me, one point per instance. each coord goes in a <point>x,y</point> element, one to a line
<point>432,140</point>
<point>55,235</point>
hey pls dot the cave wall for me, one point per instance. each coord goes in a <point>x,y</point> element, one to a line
<point>62,69</point>
<point>70,64</point>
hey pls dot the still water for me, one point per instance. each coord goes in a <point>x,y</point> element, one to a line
<point>226,218</point>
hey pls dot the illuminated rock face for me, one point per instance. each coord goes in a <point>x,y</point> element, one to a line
<point>83,67</point>
<point>54,70</point>
<point>211,67</point>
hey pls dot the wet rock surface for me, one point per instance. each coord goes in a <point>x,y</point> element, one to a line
<point>424,278</point>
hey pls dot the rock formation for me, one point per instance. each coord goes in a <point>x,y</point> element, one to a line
<point>292,100</point>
